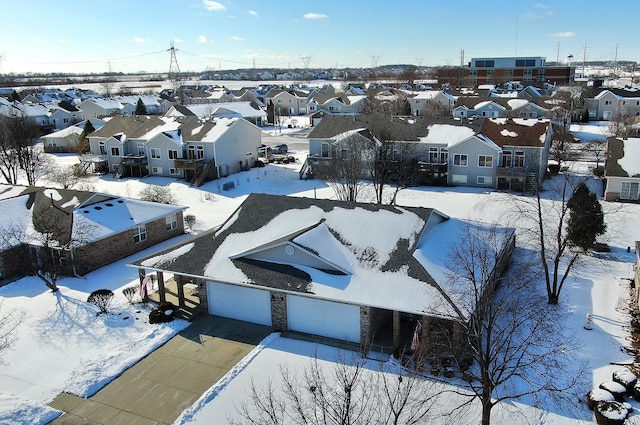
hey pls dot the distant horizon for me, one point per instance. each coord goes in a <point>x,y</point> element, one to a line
<point>136,37</point>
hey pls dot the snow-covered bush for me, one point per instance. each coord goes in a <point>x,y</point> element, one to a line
<point>618,390</point>
<point>129,292</point>
<point>626,378</point>
<point>597,395</point>
<point>611,413</point>
<point>101,298</point>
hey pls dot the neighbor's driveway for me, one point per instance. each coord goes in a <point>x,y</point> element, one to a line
<point>161,386</point>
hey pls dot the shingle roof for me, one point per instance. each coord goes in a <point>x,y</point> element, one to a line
<point>509,132</point>
<point>615,152</point>
<point>254,213</point>
<point>410,129</point>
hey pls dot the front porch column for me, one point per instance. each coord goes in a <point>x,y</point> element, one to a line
<point>396,329</point>
<point>180,286</point>
<point>161,294</point>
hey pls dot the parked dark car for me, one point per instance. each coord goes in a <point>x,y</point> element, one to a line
<point>280,149</point>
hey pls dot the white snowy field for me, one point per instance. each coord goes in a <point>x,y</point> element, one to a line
<point>63,346</point>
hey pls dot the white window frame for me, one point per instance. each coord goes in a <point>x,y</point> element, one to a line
<point>461,160</point>
<point>115,149</point>
<point>171,222</point>
<point>139,233</point>
<point>155,153</point>
<point>172,154</point>
<point>483,160</point>
<point>518,159</point>
<point>156,170</point>
<point>484,180</point>
<point>627,190</point>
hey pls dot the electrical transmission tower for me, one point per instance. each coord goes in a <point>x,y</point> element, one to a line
<point>174,69</point>
<point>374,61</point>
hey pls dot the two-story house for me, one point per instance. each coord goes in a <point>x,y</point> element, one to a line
<point>611,102</point>
<point>422,101</point>
<point>182,147</point>
<point>622,169</point>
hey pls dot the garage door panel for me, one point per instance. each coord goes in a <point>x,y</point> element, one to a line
<point>239,302</point>
<point>325,318</point>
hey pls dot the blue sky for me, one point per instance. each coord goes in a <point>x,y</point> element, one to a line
<point>134,35</point>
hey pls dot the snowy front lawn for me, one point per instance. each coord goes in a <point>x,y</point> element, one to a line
<point>64,345</point>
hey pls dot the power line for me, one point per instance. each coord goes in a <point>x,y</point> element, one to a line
<point>92,60</point>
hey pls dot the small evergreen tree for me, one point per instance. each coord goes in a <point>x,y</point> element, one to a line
<point>140,108</point>
<point>586,219</point>
<point>82,146</point>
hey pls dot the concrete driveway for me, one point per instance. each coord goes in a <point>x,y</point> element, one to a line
<point>161,386</point>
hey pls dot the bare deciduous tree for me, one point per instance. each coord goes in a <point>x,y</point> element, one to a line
<point>511,342</point>
<point>155,193</point>
<point>19,150</point>
<point>350,164</point>
<point>64,177</point>
<point>622,123</point>
<point>344,394</point>
<point>51,243</point>
<point>543,218</point>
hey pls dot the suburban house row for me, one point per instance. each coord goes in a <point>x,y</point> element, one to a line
<point>497,153</point>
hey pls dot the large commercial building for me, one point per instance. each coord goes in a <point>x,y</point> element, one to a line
<point>527,70</point>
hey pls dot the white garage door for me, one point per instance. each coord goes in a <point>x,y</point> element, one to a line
<point>239,302</point>
<point>325,318</point>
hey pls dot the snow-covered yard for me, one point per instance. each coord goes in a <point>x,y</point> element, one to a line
<point>62,345</point>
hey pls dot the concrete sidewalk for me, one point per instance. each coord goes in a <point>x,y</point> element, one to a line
<point>157,389</point>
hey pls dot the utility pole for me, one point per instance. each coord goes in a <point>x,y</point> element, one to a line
<point>615,62</point>
<point>174,69</point>
<point>584,60</point>
<point>558,55</point>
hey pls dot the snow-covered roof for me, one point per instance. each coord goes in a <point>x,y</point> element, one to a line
<point>379,255</point>
<point>630,162</point>
<point>114,215</point>
<point>447,134</point>
<point>75,211</point>
<point>69,131</point>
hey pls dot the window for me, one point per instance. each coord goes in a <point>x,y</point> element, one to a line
<point>433,155</point>
<point>460,159</point>
<point>459,178</point>
<point>484,180</point>
<point>172,153</point>
<point>155,153</point>
<point>199,152</point>
<point>172,222</point>
<point>484,64</point>
<point>485,161</point>
<point>630,190</point>
<point>527,72</point>
<point>473,73</point>
<point>103,148</point>
<point>490,72</point>
<point>324,150</point>
<point>506,159</point>
<point>519,159</point>
<point>139,234</point>
<point>173,171</point>
<point>444,155</point>
<point>607,102</point>
<point>509,73</point>
<point>115,151</point>
<point>156,170</point>
<point>525,62</point>
<point>141,150</point>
